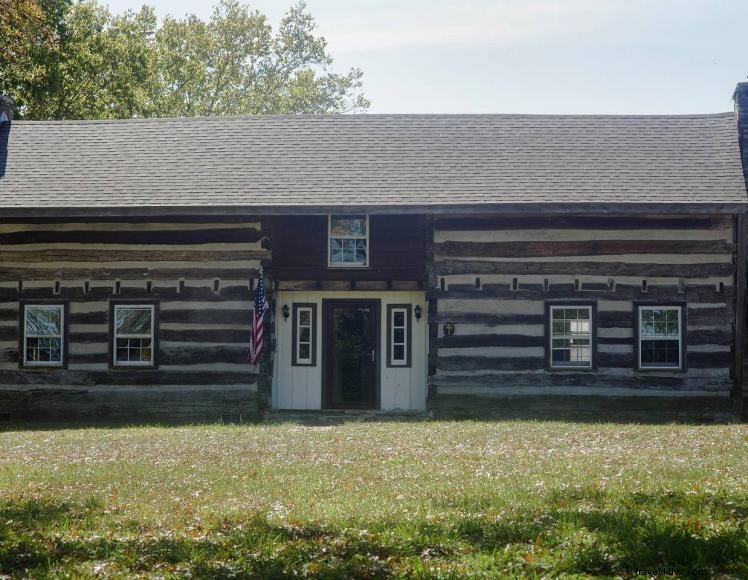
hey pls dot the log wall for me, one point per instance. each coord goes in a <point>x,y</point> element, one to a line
<point>200,272</point>
<point>491,276</point>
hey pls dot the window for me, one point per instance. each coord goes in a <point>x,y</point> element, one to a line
<point>134,335</point>
<point>398,335</point>
<point>571,336</point>
<point>348,241</point>
<point>43,335</point>
<point>304,335</point>
<point>660,337</point>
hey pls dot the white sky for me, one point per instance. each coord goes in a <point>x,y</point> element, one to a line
<point>528,56</point>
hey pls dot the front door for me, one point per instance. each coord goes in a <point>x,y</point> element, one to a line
<point>350,354</point>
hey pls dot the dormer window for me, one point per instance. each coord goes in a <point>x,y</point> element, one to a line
<point>348,241</point>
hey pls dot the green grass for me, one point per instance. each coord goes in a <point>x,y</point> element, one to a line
<point>427,499</point>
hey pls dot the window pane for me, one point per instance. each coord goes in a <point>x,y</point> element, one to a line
<point>560,355</point>
<point>348,226</point>
<point>304,334</point>
<point>133,350</point>
<point>336,251</point>
<point>305,351</point>
<point>305,317</point>
<point>361,251</point>
<point>398,318</point>
<point>133,321</point>
<point>665,353</point>
<point>571,337</point>
<point>561,327</point>
<point>41,320</point>
<point>398,335</point>
<point>349,251</point>
<point>398,352</point>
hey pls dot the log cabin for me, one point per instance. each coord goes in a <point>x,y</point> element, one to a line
<point>440,265</point>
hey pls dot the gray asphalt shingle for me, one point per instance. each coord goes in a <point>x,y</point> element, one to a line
<point>376,160</point>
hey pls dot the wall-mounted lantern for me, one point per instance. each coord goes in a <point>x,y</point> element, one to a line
<point>418,312</point>
<point>449,328</point>
<point>286,312</point>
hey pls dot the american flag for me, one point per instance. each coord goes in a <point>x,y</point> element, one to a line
<point>258,317</point>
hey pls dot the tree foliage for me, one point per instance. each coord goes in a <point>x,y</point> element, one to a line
<point>80,61</point>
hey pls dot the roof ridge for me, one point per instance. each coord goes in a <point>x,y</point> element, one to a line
<point>219,118</point>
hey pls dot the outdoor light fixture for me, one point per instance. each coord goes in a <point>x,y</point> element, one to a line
<point>417,311</point>
<point>449,328</point>
<point>286,311</point>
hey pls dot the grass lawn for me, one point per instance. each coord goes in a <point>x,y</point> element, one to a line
<point>428,499</point>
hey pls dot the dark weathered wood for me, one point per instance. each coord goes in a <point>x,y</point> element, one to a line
<point>697,360</point>
<point>143,273</point>
<point>599,222</point>
<point>487,319</point>
<point>130,405</point>
<point>223,335</point>
<point>202,355</point>
<point>474,363</point>
<point>738,394</point>
<point>641,381</point>
<point>700,293</point>
<point>485,340</point>
<point>166,293</point>
<point>396,250</point>
<point>135,236</point>
<point>104,256</point>
<point>122,376</point>
<point>213,316</point>
<point>600,408</point>
<point>581,248</point>
<point>477,267</point>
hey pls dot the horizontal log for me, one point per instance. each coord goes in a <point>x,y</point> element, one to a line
<point>143,273</point>
<point>123,376</point>
<point>692,293</point>
<point>641,381</point>
<point>134,236</point>
<point>581,248</point>
<point>206,336</point>
<point>93,255</point>
<point>474,363</point>
<point>485,318</point>
<point>589,407</point>
<point>447,267</point>
<point>698,360</point>
<point>520,222</point>
<point>203,355</point>
<point>150,403</point>
<point>212,316</point>
<point>164,293</point>
<point>487,340</point>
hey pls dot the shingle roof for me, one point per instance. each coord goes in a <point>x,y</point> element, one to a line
<point>373,160</point>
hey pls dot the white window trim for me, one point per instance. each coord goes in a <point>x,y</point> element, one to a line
<point>299,359</point>
<point>367,237</point>
<point>554,307</point>
<point>116,335</point>
<point>649,366</point>
<point>393,361</point>
<point>61,336</point>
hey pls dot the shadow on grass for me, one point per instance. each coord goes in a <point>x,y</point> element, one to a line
<point>582,533</point>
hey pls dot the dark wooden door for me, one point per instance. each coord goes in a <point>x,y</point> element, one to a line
<point>351,354</point>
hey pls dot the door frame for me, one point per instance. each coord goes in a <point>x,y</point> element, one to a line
<point>327,308</point>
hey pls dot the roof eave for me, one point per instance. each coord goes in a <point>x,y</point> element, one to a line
<point>505,208</point>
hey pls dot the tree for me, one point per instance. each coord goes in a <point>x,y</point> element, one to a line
<point>29,36</point>
<point>104,66</point>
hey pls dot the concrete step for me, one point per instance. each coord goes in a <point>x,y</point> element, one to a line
<point>336,417</point>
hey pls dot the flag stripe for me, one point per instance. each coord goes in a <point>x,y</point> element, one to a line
<point>258,320</point>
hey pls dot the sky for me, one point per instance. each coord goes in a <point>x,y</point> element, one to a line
<point>527,56</point>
